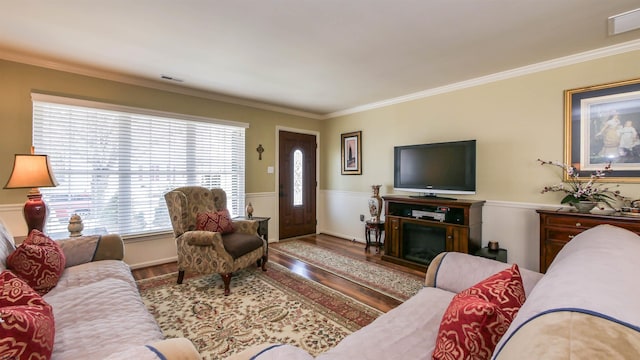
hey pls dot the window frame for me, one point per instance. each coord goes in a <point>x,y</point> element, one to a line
<point>236,192</point>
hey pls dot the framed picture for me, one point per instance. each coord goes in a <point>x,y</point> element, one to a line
<point>602,126</point>
<point>351,152</point>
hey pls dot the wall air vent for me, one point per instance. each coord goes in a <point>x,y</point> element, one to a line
<point>171,78</point>
<point>624,22</point>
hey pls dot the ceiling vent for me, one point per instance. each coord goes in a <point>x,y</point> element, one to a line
<point>624,22</point>
<point>171,78</point>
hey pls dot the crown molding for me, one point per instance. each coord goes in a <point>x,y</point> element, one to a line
<point>508,74</point>
<point>137,81</point>
<point>525,70</point>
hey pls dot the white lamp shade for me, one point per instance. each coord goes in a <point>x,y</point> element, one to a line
<point>31,171</point>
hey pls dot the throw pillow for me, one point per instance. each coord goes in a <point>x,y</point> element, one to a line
<point>219,221</point>
<point>504,289</point>
<point>470,329</point>
<point>27,328</point>
<point>39,261</point>
<point>477,317</point>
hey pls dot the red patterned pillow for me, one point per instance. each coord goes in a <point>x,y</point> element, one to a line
<point>477,317</point>
<point>219,221</point>
<point>39,261</point>
<point>504,289</point>
<point>27,329</point>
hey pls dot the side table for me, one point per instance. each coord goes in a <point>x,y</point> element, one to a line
<point>500,254</point>
<point>378,228</point>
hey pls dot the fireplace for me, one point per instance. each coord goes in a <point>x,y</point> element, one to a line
<point>421,243</point>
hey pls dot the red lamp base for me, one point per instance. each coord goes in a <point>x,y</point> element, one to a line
<point>35,210</point>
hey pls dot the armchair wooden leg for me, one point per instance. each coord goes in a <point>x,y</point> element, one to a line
<point>264,262</point>
<point>226,279</point>
<point>180,276</point>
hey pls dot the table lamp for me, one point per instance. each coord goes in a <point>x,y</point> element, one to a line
<point>32,171</point>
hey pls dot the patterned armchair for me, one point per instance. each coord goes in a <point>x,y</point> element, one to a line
<point>206,252</point>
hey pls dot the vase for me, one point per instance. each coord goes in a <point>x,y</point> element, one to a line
<point>75,226</point>
<point>584,206</point>
<point>375,203</point>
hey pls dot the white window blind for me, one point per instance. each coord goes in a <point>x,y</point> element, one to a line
<point>114,164</point>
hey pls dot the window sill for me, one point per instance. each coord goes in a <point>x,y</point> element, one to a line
<point>148,237</point>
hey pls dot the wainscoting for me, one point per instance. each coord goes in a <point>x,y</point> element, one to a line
<point>514,225</point>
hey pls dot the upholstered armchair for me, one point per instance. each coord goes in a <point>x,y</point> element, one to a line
<point>204,251</point>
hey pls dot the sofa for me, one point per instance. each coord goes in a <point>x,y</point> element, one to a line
<point>586,306</point>
<point>97,310</point>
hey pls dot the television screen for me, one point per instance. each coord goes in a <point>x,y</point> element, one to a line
<point>446,168</point>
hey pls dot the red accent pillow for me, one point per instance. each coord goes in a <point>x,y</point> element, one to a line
<point>477,317</point>
<point>27,328</point>
<point>39,261</point>
<point>219,221</point>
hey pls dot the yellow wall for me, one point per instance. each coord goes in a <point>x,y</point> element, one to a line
<point>515,122</point>
<point>17,81</point>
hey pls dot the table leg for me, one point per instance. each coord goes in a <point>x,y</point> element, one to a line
<point>367,237</point>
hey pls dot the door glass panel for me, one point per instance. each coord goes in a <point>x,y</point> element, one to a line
<point>297,177</point>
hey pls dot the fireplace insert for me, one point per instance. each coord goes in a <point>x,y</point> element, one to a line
<point>421,243</point>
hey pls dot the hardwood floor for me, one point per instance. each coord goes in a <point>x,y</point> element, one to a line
<point>363,294</point>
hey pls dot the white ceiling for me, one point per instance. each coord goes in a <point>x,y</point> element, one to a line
<point>315,56</point>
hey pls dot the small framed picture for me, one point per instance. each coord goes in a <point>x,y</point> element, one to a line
<point>602,126</point>
<point>351,153</point>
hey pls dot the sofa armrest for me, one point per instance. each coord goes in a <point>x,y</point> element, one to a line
<point>169,349</point>
<point>454,272</point>
<point>84,249</point>
<point>246,226</point>
<point>206,238</point>
<point>176,349</point>
<point>271,352</point>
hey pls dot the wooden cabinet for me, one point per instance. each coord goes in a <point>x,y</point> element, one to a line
<point>428,226</point>
<point>392,233</point>
<point>558,228</point>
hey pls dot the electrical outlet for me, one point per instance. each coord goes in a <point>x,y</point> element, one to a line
<point>361,217</point>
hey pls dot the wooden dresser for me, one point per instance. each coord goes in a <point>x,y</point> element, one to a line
<point>558,228</point>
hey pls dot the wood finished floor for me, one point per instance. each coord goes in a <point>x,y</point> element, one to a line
<point>363,294</point>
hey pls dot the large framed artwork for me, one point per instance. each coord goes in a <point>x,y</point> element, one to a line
<point>351,152</point>
<point>602,124</point>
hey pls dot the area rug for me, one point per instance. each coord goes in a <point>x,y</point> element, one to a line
<point>276,306</point>
<point>393,283</point>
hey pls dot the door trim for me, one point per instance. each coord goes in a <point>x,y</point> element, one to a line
<point>277,174</point>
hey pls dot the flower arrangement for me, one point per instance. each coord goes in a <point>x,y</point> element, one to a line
<point>578,191</point>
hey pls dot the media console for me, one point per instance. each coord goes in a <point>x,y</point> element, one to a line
<point>418,229</point>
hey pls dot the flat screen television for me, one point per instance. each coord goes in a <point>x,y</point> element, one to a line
<point>436,168</point>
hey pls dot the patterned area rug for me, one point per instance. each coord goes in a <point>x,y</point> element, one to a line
<point>393,283</point>
<point>276,306</point>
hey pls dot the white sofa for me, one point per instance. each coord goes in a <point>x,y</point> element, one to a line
<point>587,306</point>
<point>98,312</point>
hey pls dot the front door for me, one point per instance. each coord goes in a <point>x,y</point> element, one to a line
<point>297,185</point>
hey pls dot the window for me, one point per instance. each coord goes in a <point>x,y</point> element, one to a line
<point>114,163</point>
<point>297,177</point>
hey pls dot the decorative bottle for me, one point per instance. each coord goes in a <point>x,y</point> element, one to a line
<point>375,203</point>
<point>249,211</point>
<point>75,226</point>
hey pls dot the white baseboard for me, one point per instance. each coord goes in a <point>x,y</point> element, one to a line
<point>153,263</point>
<point>343,236</point>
